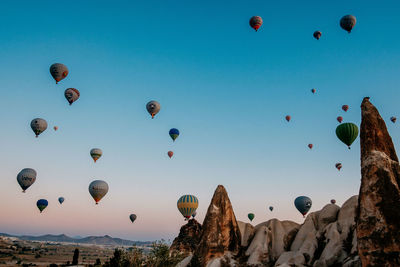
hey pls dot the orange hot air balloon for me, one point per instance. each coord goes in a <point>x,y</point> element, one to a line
<point>170,154</point>
<point>313,90</point>
<point>345,107</point>
<point>310,146</point>
<point>55,128</point>
<point>339,119</point>
<point>288,117</point>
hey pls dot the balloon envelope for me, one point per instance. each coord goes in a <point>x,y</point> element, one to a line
<point>58,71</point>
<point>98,189</point>
<point>348,22</point>
<point>288,117</point>
<point>310,146</point>
<point>333,201</point>
<point>338,166</point>
<point>250,216</point>
<point>61,200</point>
<point>170,154</point>
<point>71,94</point>
<point>313,91</point>
<point>393,119</point>
<point>345,107</point>
<point>96,153</point>
<point>26,177</point>
<point>187,205</point>
<point>194,214</point>
<point>339,119</point>
<point>317,35</point>
<point>255,22</point>
<point>174,133</point>
<point>38,126</point>
<point>132,217</point>
<point>153,107</point>
<point>271,208</point>
<point>55,128</point>
<point>347,133</point>
<point>42,204</point>
<point>303,204</point>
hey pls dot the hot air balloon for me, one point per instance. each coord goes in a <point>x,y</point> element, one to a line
<point>132,217</point>
<point>333,201</point>
<point>317,35</point>
<point>26,178</point>
<point>345,107</point>
<point>271,208</point>
<point>310,146</point>
<point>348,22</point>
<point>153,107</point>
<point>250,216</point>
<point>194,214</point>
<point>256,22</point>
<point>187,205</point>
<point>174,133</point>
<point>170,154</point>
<point>303,204</point>
<point>58,71</point>
<point>288,118</point>
<point>98,189</point>
<point>393,119</point>
<point>42,204</point>
<point>313,90</point>
<point>347,133</point>
<point>38,126</point>
<point>61,200</point>
<point>339,119</point>
<point>338,166</point>
<point>96,153</point>
<point>71,94</point>
<point>55,128</point>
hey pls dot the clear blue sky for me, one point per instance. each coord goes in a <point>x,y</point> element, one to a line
<point>224,86</point>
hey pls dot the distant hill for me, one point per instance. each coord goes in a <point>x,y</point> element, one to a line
<point>95,240</point>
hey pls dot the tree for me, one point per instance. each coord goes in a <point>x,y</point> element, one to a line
<point>98,262</point>
<point>76,257</point>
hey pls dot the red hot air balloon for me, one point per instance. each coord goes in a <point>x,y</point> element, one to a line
<point>338,166</point>
<point>55,128</point>
<point>313,90</point>
<point>170,154</point>
<point>256,22</point>
<point>310,146</point>
<point>339,119</point>
<point>288,117</point>
<point>345,107</point>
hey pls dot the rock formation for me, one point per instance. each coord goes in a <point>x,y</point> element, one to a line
<point>220,235</point>
<point>378,217</point>
<point>188,238</point>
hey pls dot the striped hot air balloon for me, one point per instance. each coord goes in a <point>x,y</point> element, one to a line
<point>187,205</point>
<point>347,133</point>
<point>71,94</point>
<point>256,22</point>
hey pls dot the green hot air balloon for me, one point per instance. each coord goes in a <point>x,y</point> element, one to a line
<point>251,216</point>
<point>347,133</point>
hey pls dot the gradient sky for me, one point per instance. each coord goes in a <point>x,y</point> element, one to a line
<point>224,86</point>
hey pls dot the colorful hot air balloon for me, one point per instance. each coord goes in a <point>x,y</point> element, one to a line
<point>96,153</point>
<point>71,94</point>
<point>338,166</point>
<point>61,200</point>
<point>393,119</point>
<point>58,71</point>
<point>339,119</point>
<point>347,133</point>
<point>55,128</point>
<point>271,208</point>
<point>132,217</point>
<point>348,22</point>
<point>170,154</point>
<point>153,107</point>
<point>256,22</point>
<point>98,189</point>
<point>317,35</point>
<point>174,133</point>
<point>288,118</point>
<point>38,126</point>
<point>42,204</point>
<point>345,107</point>
<point>313,90</point>
<point>310,146</point>
<point>333,201</point>
<point>250,216</point>
<point>187,205</point>
<point>194,214</point>
<point>26,178</point>
<point>303,204</point>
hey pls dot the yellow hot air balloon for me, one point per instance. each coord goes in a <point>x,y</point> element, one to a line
<point>187,205</point>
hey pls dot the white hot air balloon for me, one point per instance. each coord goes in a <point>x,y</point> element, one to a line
<point>98,189</point>
<point>38,126</point>
<point>26,178</point>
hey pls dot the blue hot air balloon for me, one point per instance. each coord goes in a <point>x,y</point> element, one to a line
<point>61,200</point>
<point>174,133</point>
<point>42,204</point>
<point>303,204</point>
